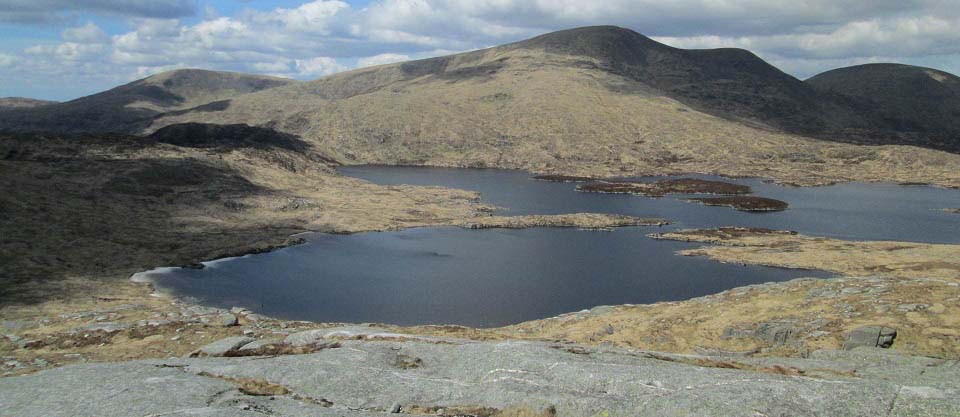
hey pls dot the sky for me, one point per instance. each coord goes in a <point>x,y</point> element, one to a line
<point>64,49</point>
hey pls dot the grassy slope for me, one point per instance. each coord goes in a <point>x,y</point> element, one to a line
<point>7,103</point>
<point>83,213</point>
<point>522,108</point>
<point>130,107</point>
<point>922,103</point>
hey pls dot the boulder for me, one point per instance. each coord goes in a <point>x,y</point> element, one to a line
<point>17,325</point>
<point>777,334</point>
<point>870,336</point>
<point>109,327</point>
<point>737,333</point>
<point>908,308</point>
<point>307,337</point>
<point>28,343</point>
<point>221,347</point>
<point>227,320</point>
<point>257,344</point>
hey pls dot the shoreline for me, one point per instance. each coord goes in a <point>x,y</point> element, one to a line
<point>581,221</point>
<point>589,327</point>
<point>192,229</point>
<point>574,173</point>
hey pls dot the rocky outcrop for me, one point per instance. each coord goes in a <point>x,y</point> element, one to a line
<point>772,333</point>
<point>320,336</point>
<point>870,336</point>
<point>227,320</point>
<point>457,378</point>
<point>221,347</point>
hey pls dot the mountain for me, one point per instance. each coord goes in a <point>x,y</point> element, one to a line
<point>129,108</point>
<point>728,82</point>
<point>7,103</point>
<point>915,105</point>
<point>602,94</point>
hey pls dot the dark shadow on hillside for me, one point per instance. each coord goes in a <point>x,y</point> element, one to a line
<point>203,135</point>
<point>105,208</point>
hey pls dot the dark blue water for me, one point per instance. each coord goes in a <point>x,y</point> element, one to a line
<point>498,277</point>
<point>852,211</point>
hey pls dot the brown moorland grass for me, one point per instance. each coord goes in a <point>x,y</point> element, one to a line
<point>743,203</point>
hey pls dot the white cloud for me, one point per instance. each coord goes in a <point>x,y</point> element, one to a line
<point>321,37</point>
<point>312,17</point>
<point>89,33</point>
<point>387,58</point>
<point>276,67</point>
<point>318,66</point>
<point>67,51</point>
<point>146,71</point>
<point>464,19</point>
<point>7,60</point>
<point>37,11</point>
<point>901,39</point>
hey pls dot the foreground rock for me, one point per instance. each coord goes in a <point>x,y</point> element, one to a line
<point>370,378</point>
<point>221,347</point>
<point>870,336</point>
<point>323,336</point>
<point>581,220</point>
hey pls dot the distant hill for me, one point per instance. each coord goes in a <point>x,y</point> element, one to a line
<point>131,107</point>
<point>907,104</point>
<point>21,102</point>
<point>538,102</point>
<point>732,83</point>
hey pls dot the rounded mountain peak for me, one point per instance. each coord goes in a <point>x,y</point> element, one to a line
<point>606,43</point>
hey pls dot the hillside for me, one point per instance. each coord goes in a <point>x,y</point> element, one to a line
<point>732,83</point>
<point>128,108</point>
<point>921,104</point>
<point>597,101</point>
<point>7,103</point>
